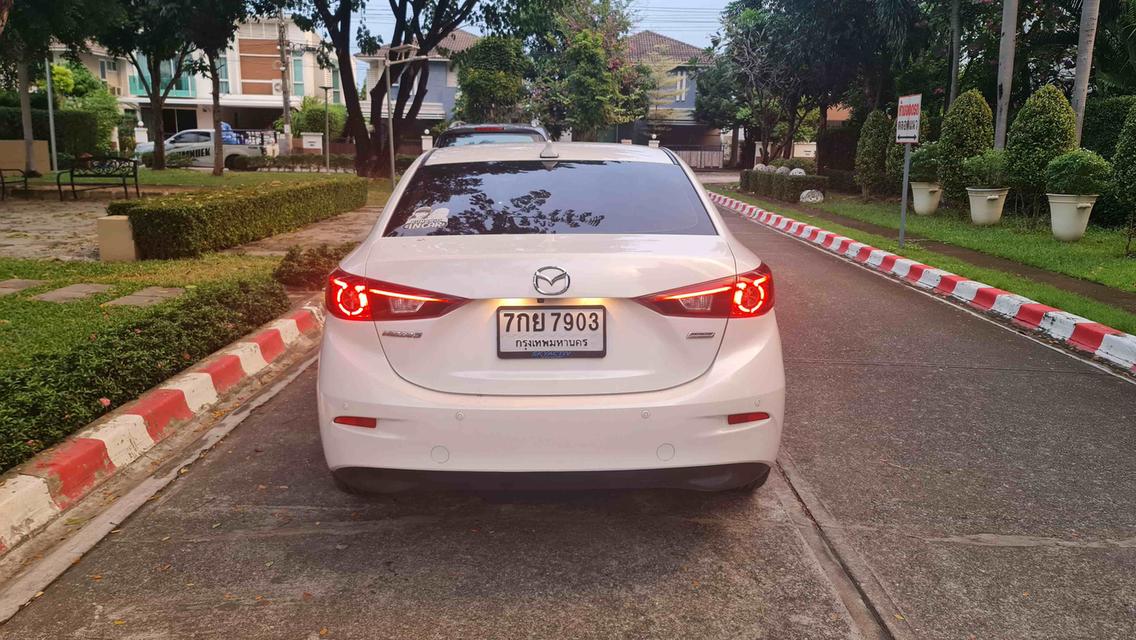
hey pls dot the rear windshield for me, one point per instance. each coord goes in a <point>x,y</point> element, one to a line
<point>495,198</point>
<point>481,137</point>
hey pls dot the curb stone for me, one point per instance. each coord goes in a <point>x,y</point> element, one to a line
<point>1081,334</point>
<point>34,493</point>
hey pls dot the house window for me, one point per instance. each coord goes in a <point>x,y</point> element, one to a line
<point>335,85</point>
<point>223,73</point>
<point>102,69</point>
<point>298,74</point>
<point>680,87</point>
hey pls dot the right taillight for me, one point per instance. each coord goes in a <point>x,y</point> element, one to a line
<point>746,295</point>
<point>352,297</point>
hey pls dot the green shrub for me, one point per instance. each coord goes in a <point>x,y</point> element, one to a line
<point>836,147</point>
<point>56,394</point>
<point>788,188</point>
<point>925,163</point>
<point>968,129</point>
<point>242,163</point>
<point>1044,128</point>
<point>77,132</point>
<point>871,153</point>
<point>189,224</point>
<point>174,160</point>
<point>761,183</point>
<point>1079,172</point>
<point>986,170</point>
<point>840,180</point>
<point>403,162</point>
<point>1104,118</point>
<point>808,164</point>
<point>1124,173</point>
<point>309,268</point>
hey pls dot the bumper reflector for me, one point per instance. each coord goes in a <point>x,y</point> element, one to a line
<point>739,418</point>
<point>357,421</point>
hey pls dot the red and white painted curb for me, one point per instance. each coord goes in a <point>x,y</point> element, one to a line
<point>1082,334</point>
<point>38,490</point>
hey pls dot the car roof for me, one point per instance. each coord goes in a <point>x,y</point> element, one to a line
<point>541,151</point>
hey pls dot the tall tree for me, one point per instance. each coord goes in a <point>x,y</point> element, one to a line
<point>1006,50</point>
<point>956,49</point>
<point>5,7</point>
<point>153,34</point>
<point>210,27</point>
<point>26,40</point>
<point>1090,10</point>
<point>420,23</point>
<point>491,76</point>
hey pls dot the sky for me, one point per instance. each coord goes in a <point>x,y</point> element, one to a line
<point>691,21</point>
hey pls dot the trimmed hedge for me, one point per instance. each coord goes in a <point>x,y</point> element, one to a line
<point>44,402</point>
<point>308,268</point>
<point>76,131</point>
<point>968,130</point>
<point>808,164</point>
<point>841,180</point>
<point>781,186</point>
<point>1124,172</point>
<point>871,153</point>
<point>189,224</point>
<point>1044,128</point>
<point>1104,118</point>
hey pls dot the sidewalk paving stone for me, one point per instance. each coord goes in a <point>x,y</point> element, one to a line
<point>72,292</point>
<point>17,284</point>
<point>147,297</point>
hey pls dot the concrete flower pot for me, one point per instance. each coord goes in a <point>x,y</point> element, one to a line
<point>926,196</point>
<point>986,205</point>
<point>1069,215</point>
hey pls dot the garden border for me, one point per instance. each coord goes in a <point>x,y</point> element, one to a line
<point>37,491</point>
<point>1081,334</point>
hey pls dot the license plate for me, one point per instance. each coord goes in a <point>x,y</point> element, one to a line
<point>551,332</point>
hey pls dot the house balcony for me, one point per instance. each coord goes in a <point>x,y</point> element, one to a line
<point>185,87</point>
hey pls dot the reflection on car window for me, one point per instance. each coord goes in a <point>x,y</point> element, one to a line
<point>474,137</point>
<point>571,197</point>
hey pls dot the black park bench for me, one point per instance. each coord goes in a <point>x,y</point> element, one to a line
<point>105,172</point>
<point>11,177</point>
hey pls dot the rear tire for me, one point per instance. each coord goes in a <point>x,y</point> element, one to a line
<point>755,484</point>
<point>229,162</point>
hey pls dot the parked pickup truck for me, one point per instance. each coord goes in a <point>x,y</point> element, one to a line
<point>198,144</point>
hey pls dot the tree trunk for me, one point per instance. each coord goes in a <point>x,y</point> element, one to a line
<point>734,147</point>
<point>218,142</point>
<point>822,129</point>
<point>1089,11</point>
<point>285,82</point>
<point>749,150</point>
<point>23,79</point>
<point>956,50</point>
<point>1005,70</point>
<point>5,6</point>
<point>157,102</point>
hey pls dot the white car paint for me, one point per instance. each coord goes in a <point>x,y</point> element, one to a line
<point>444,401</point>
<point>198,144</point>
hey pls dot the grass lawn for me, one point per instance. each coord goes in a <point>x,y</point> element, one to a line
<point>1044,293</point>
<point>33,327</point>
<point>1098,257</point>
<point>203,178</point>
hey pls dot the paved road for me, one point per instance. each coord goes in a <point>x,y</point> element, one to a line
<point>984,483</point>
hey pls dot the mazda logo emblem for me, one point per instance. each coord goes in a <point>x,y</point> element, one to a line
<point>551,281</point>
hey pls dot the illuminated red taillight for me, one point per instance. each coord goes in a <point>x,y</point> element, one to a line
<point>746,295</point>
<point>357,421</point>
<point>753,416</point>
<point>353,297</point>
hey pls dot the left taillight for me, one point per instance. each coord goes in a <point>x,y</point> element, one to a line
<point>746,295</point>
<point>352,297</point>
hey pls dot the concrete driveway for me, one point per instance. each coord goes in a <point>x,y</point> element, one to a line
<point>968,482</point>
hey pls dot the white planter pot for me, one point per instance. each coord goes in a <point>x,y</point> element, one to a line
<point>986,205</point>
<point>926,196</point>
<point>1069,215</point>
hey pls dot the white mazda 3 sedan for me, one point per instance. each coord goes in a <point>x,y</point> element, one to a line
<point>550,315</point>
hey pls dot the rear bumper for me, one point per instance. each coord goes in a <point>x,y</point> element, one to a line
<point>421,429</point>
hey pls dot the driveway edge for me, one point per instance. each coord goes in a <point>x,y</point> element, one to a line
<point>1105,343</point>
<point>34,493</point>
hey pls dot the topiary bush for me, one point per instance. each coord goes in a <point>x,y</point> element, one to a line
<point>309,268</point>
<point>186,225</point>
<point>1124,174</point>
<point>744,180</point>
<point>1080,172</point>
<point>57,394</point>
<point>761,183</point>
<point>968,130</point>
<point>1044,128</point>
<point>986,170</point>
<point>1104,118</point>
<point>871,153</point>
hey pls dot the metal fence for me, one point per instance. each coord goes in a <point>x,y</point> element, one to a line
<point>699,157</point>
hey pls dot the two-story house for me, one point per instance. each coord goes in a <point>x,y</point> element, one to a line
<point>671,114</point>
<point>441,83</point>
<point>251,88</point>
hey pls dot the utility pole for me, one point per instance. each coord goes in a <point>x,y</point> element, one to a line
<point>1005,70</point>
<point>51,117</point>
<point>326,130</point>
<point>285,80</point>
<point>1090,9</point>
